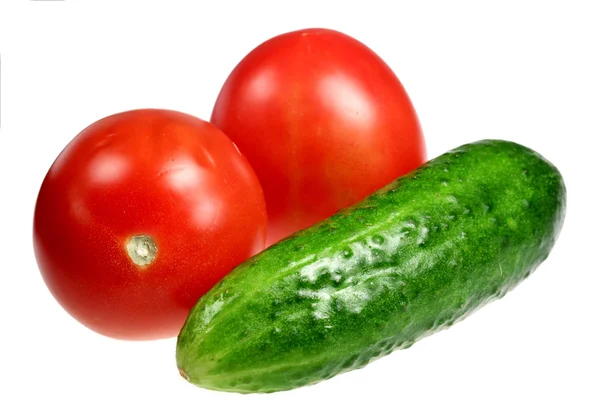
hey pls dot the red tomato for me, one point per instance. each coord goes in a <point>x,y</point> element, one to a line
<point>141,214</point>
<point>323,121</point>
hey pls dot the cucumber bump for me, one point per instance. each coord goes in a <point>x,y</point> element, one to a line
<point>411,259</point>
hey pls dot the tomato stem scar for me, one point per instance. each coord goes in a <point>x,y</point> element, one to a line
<point>141,249</point>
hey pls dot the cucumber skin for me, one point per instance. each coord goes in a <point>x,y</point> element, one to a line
<point>411,259</point>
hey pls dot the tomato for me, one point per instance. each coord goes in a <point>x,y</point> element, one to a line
<point>142,213</point>
<point>323,121</point>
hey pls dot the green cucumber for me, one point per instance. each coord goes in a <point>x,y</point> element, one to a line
<point>411,259</point>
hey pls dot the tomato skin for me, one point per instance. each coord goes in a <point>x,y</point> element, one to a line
<point>160,173</point>
<point>322,120</point>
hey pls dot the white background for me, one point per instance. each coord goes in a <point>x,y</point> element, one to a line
<point>517,70</point>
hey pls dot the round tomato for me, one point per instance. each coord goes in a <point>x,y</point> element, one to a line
<point>141,214</point>
<point>323,121</point>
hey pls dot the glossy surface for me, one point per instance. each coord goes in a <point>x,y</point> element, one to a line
<point>140,215</point>
<point>412,259</point>
<point>322,120</point>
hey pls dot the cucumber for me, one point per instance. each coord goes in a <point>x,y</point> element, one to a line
<point>411,259</point>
